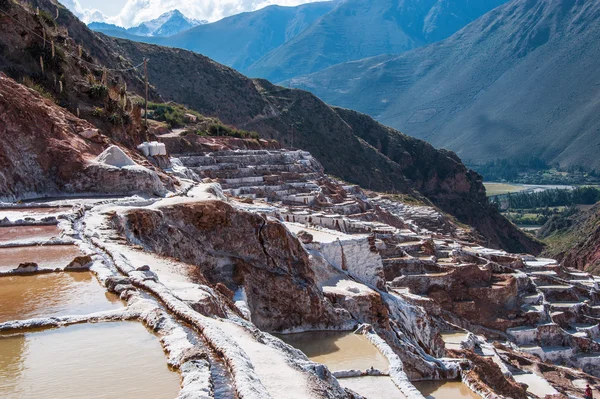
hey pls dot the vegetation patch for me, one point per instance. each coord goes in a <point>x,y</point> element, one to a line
<point>47,19</point>
<point>171,113</point>
<point>27,81</point>
<point>535,171</point>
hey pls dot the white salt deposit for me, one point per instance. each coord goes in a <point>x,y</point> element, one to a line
<point>114,156</point>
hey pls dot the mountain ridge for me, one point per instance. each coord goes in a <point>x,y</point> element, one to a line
<point>532,85</point>
<point>357,29</point>
<point>239,40</point>
<point>345,142</point>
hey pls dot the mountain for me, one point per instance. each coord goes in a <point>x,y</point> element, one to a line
<point>240,40</point>
<point>102,84</point>
<point>358,29</point>
<point>168,24</point>
<point>575,240</point>
<point>519,82</point>
<point>350,145</point>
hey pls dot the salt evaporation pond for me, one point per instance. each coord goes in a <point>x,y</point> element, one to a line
<point>12,234</point>
<point>46,256</point>
<point>53,294</point>
<point>445,390</point>
<point>536,384</point>
<point>338,350</point>
<point>21,213</point>
<point>92,361</point>
<point>452,340</point>
<point>373,387</point>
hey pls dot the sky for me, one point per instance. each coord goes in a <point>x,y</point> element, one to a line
<point>128,13</point>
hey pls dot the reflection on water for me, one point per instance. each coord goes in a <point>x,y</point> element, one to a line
<point>536,384</point>
<point>373,387</point>
<point>53,294</point>
<point>28,233</point>
<point>445,390</point>
<point>92,361</point>
<point>46,256</point>
<point>338,350</point>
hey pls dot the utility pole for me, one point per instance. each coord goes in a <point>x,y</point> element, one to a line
<point>146,78</point>
<point>292,137</point>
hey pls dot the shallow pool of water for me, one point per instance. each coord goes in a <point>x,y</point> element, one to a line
<point>536,384</point>
<point>28,233</point>
<point>53,294</point>
<point>445,390</point>
<point>338,350</point>
<point>46,256</point>
<point>37,213</point>
<point>452,340</point>
<point>373,387</point>
<point>93,361</point>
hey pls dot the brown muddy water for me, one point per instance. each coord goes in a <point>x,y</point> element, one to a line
<point>338,350</point>
<point>92,361</point>
<point>28,233</point>
<point>53,294</point>
<point>373,387</point>
<point>445,390</point>
<point>46,256</point>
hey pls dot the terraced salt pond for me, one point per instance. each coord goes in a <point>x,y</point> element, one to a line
<point>13,214</point>
<point>445,390</point>
<point>53,294</point>
<point>452,340</point>
<point>12,234</point>
<point>93,361</point>
<point>372,387</point>
<point>338,350</point>
<point>536,384</point>
<point>46,256</point>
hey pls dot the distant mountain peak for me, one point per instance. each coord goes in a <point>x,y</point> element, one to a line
<point>167,24</point>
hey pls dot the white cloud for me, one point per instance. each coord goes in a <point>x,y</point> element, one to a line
<point>85,14</point>
<point>137,11</point>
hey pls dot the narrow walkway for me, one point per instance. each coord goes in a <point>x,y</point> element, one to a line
<point>272,368</point>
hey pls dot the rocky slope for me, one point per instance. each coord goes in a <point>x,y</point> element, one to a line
<point>520,75</point>
<point>240,40</point>
<point>73,75</point>
<point>357,29</point>
<point>575,241</point>
<point>46,150</point>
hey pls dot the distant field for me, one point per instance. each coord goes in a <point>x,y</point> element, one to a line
<point>502,188</point>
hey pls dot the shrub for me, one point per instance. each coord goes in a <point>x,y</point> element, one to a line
<point>98,92</point>
<point>174,116</point>
<point>115,119</point>
<point>218,129</point>
<point>46,18</point>
<point>98,112</point>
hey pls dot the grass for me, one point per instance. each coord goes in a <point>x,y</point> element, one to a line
<point>39,88</point>
<point>171,113</point>
<point>493,189</point>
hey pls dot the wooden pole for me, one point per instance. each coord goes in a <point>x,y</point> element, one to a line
<point>146,78</point>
